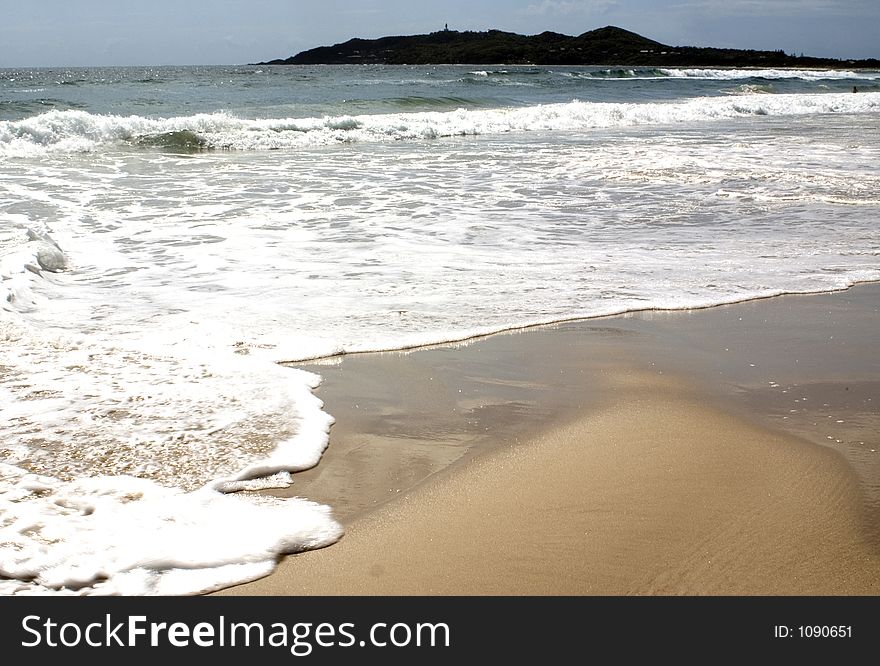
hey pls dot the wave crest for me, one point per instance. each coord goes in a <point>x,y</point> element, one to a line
<point>733,74</point>
<point>79,131</point>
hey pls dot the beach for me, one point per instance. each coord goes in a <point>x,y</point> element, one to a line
<point>254,311</point>
<point>724,451</point>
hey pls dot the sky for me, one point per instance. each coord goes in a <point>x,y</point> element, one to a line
<point>52,33</point>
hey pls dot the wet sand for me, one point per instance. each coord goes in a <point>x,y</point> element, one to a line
<point>731,450</point>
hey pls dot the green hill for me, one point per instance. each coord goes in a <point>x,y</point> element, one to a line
<point>605,46</point>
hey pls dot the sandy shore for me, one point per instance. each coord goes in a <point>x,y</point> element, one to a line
<point>723,451</point>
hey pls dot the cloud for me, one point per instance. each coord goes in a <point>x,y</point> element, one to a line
<point>566,7</point>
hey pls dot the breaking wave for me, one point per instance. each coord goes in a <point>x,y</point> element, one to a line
<point>80,131</point>
<point>803,74</point>
<point>719,74</point>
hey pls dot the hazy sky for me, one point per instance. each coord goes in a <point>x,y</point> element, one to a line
<point>187,32</point>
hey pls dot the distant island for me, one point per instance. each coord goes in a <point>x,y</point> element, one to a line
<point>605,46</point>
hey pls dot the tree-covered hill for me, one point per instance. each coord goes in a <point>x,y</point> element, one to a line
<point>605,46</point>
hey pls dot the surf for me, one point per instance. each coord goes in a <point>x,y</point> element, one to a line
<point>80,131</point>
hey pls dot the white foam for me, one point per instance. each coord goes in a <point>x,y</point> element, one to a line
<point>732,74</point>
<point>122,535</point>
<point>79,131</point>
<point>191,427</point>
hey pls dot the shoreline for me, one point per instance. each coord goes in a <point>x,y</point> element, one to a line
<point>584,319</point>
<point>647,453</point>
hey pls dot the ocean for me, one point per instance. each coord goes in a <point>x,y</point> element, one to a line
<point>170,237</point>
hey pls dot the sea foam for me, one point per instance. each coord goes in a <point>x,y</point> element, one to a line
<point>80,131</point>
<point>734,73</point>
<point>123,535</point>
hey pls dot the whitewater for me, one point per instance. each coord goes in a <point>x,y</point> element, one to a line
<point>174,240</point>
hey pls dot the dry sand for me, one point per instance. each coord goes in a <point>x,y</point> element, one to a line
<point>716,452</point>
